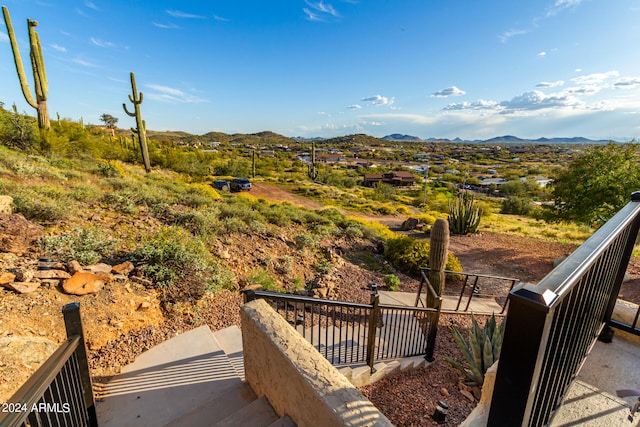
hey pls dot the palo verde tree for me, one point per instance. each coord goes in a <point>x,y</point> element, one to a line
<point>37,65</point>
<point>109,121</point>
<point>595,185</point>
<point>141,126</point>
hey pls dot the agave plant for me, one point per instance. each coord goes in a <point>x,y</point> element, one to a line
<point>483,349</point>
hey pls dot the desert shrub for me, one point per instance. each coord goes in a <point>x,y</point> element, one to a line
<point>85,245</point>
<point>517,206</point>
<point>354,230</point>
<point>108,169</point>
<point>392,281</point>
<point>408,255</point>
<point>179,264</point>
<point>304,240</point>
<point>38,207</point>
<point>121,202</point>
<point>264,279</point>
<point>202,222</point>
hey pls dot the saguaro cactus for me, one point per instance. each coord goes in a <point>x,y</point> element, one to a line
<point>37,65</point>
<point>438,251</point>
<point>141,127</point>
<point>312,169</point>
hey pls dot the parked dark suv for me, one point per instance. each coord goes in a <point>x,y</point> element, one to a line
<point>221,184</point>
<point>240,184</point>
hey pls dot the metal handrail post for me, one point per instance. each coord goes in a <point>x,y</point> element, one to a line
<point>373,323</point>
<point>73,325</point>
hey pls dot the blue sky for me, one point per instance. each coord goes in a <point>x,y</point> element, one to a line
<point>457,68</point>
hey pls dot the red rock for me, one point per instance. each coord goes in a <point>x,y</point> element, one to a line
<point>83,283</point>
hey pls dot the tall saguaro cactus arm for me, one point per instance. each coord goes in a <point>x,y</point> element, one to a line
<point>141,129</point>
<point>37,65</point>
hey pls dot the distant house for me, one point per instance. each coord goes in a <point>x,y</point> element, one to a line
<point>487,182</point>
<point>396,178</point>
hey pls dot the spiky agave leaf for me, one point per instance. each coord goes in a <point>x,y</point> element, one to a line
<point>487,355</point>
<point>476,350</point>
<point>469,374</point>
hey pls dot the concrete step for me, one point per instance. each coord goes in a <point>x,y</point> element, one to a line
<point>258,413</point>
<point>176,377</point>
<point>219,407</point>
<point>283,422</point>
<point>230,339</point>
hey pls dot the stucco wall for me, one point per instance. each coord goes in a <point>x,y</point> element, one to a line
<point>281,365</point>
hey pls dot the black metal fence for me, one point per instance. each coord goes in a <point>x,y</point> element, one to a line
<point>470,288</point>
<point>348,333</point>
<point>59,393</point>
<point>551,327</point>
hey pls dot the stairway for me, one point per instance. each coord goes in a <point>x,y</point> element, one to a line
<point>194,379</point>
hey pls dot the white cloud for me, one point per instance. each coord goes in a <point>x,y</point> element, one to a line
<point>84,63</point>
<point>102,43</point>
<point>173,95</point>
<point>181,14</point>
<point>561,5</point>
<point>504,37</point>
<point>550,84</point>
<point>627,82</point>
<point>596,78</point>
<point>543,53</point>
<point>91,5</point>
<point>447,92</point>
<point>220,18</point>
<point>166,26</point>
<point>354,107</point>
<point>583,90</point>
<point>58,47</point>
<point>3,37</point>
<point>477,105</point>
<point>536,100</point>
<point>320,11</point>
<point>378,100</point>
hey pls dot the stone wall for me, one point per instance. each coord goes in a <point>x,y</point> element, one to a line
<point>281,365</point>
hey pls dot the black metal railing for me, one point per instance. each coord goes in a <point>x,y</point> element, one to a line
<point>349,333</point>
<point>551,327</point>
<point>59,393</point>
<point>468,291</point>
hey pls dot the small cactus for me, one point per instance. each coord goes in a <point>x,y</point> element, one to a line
<point>483,349</point>
<point>141,127</point>
<point>312,170</point>
<point>464,214</point>
<point>438,252</point>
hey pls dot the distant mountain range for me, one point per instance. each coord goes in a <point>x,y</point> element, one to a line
<point>507,139</point>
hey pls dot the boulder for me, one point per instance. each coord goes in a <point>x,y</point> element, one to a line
<point>125,268</point>
<point>23,287</point>
<point>409,224</point>
<point>6,205</point>
<point>51,274</point>
<point>74,266</point>
<point>6,278</point>
<point>82,283</point>
<point>17,234</point>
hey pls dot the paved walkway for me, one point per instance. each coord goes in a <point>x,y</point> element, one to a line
<point>592,400</point>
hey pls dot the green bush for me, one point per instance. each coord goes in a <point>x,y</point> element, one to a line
<point>179,264</point>
<point>517,206</point>
<point>85,245</point>
<point>304,241</point>
<point>264,279</point>
<point>38,207</point>
<point>408,255</point>
<point>392,281</point>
